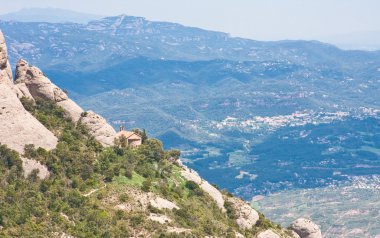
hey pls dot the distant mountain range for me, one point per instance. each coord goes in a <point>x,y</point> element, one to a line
<point>83,47</point>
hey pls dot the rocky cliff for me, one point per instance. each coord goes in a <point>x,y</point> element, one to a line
<point>17,126</point>
<point>33,84</point>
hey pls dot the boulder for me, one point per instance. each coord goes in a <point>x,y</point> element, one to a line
<point>246,216</point>
<point>99,128</point>
<point>305,228</point>
<point>267,234</point>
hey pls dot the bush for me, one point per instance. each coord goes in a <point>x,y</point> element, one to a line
<point>194,188</point>
<point>123,197</point>
<point>146,185</point>
<point>230,210</point>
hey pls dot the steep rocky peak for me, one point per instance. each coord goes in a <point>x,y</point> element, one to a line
<point>32,79</point>
<point>38,84</point>
<point>21,71</point>
<point>19,128</point>
<point>5,68</point>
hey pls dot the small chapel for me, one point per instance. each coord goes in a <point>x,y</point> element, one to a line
<point>133,139</point>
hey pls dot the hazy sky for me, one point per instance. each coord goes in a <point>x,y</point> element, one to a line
<point>256,19</point>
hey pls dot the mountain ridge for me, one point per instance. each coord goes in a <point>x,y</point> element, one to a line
<point>131,37</point>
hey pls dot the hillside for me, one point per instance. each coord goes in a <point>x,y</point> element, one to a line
<point>79,183</point>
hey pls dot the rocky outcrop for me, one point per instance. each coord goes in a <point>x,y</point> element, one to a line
<point>20,85</point>
<point>17,126</point>
<point>32,83</point>
<point>267,234</point>
<point>29,165</point>
<point>162,203</point>
<point>246,216</point>
<point>99,128</point>
<point>40,86</point>
<point>205,186</point>
<point>306,228</point>
<point>5,68</point>
<point>23,91</point>
<point>140,201</point>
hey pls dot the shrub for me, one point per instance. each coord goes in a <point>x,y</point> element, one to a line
<point>146,185</point>
<point>194,188</point>
<point>123,197</point>
<point>230,210</point>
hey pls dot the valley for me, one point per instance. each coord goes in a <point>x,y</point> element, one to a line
<point>347,217</point>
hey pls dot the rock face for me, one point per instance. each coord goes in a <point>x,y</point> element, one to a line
<point>29,165</point>
<point>205,186</point>
<point>40,86</point>
<point>32,83</point>
<point>268,234</point>
<point>5,69</point>
<point>161,203</point>
<point>99,128</point>
<point>306,228</point>
<point>17,126</point>
<point>246,215</point>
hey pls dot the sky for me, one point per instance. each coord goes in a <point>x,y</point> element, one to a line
<point>347,22</point>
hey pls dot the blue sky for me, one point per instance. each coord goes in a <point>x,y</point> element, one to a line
<point>327,20</point>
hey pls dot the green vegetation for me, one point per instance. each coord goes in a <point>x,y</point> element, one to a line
<point>86,180</point>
